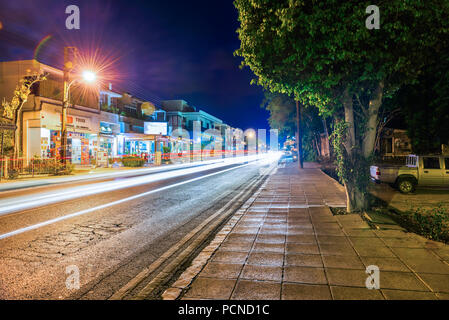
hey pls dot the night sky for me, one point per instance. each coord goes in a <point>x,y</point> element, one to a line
<point>156,50</point>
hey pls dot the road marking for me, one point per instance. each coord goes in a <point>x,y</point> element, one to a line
<point>20,203</point>
<point>127,288</point>
<point>12,187</point>
<point>107,205</point>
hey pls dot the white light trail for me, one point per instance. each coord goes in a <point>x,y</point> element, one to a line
<point>110,204</point>
<point>13,186</point>
<point>15,204</point>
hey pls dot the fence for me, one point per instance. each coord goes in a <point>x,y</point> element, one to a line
<point>11,168</point>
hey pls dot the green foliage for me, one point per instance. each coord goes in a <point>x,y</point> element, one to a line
<point>337,139</point>
<point>166,150</point>
<point>352,169</point>
<point>115,110</point>
<point>131,161</point>
<point>311,129</point>
<point>315,49</point>
<point>321,53</point>
<point>59,169</point>
<point>431,223</point>
<point>425,106</point>
<point>8,139</point>
<point>283,118</point>
<point>13,174</point>
<point>282,113</point>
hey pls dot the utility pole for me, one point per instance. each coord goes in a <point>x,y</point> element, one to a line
<point>298,135</point>
<point>1,156</point>
<point>69,57</point>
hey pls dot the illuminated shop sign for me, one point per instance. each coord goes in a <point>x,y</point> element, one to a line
<point>156,128</point>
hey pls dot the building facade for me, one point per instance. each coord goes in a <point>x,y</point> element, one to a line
<point>103,123</point>
<point>39,120</point>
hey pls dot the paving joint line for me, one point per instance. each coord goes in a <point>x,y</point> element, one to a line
<point>183,289</point>
<point>146,272</point>
<point>357,253</point>
<point>321,255</point>
<point>407,265</point>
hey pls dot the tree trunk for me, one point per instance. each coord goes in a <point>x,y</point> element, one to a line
<point>356,197</point>
<point>371,130</point>
<point>357,155</point>
<point>326,132</point>
<point>298,135</point>
<point>18,132</point>
<point>349,119</point>
<point>317,144</point>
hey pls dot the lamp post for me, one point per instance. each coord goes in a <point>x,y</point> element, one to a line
<point>88,76</point>
<point>298,135</point>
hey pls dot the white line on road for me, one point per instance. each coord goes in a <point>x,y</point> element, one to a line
<point>20,203</point>
<point>12,187</point>
<point>72,215</point>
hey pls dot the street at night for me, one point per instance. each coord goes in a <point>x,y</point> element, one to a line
<point>109,245</point>
<point>224,159</point>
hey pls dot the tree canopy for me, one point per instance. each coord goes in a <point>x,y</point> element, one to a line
<point>316,49</point>
<point>425,106</point>
<point>322,53</point>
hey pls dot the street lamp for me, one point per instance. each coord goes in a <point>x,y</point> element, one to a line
<point>89,77</point>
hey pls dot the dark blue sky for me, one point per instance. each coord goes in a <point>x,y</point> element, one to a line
<point>159,49</point>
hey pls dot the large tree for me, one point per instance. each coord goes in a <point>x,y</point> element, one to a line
<point>13,110</point>
<point>282,110</point>
<point>425,107</point>
<point>322,53</point>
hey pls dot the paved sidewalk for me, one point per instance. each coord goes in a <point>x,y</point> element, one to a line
<point>286,244</point>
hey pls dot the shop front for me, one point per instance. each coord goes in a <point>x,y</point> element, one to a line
<point>42,137</point>
<point>141,145</point>
<point>108,141</point>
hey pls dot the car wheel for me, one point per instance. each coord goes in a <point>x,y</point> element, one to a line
<point>406,185</point>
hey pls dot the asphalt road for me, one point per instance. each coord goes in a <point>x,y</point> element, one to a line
<point>134,226</point>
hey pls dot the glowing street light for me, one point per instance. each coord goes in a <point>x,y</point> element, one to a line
<point>89,76</point>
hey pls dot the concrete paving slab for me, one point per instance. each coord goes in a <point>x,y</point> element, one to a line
<point>303,260</point>
<point>408,295</point>
<point>256,290</point>
<point>296,291</point>
<point>304,275</point>
<point>350,293</point>
<point>286,247</point>
<point>211,288</point>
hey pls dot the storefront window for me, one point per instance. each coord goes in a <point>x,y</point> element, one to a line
<point>137,147</point>
<point>82,147</point>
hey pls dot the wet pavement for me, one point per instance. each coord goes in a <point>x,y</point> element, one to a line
<point>286,244</point>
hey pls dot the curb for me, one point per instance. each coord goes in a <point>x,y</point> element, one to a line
<point>181,285</point>
<point>197,236</point>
